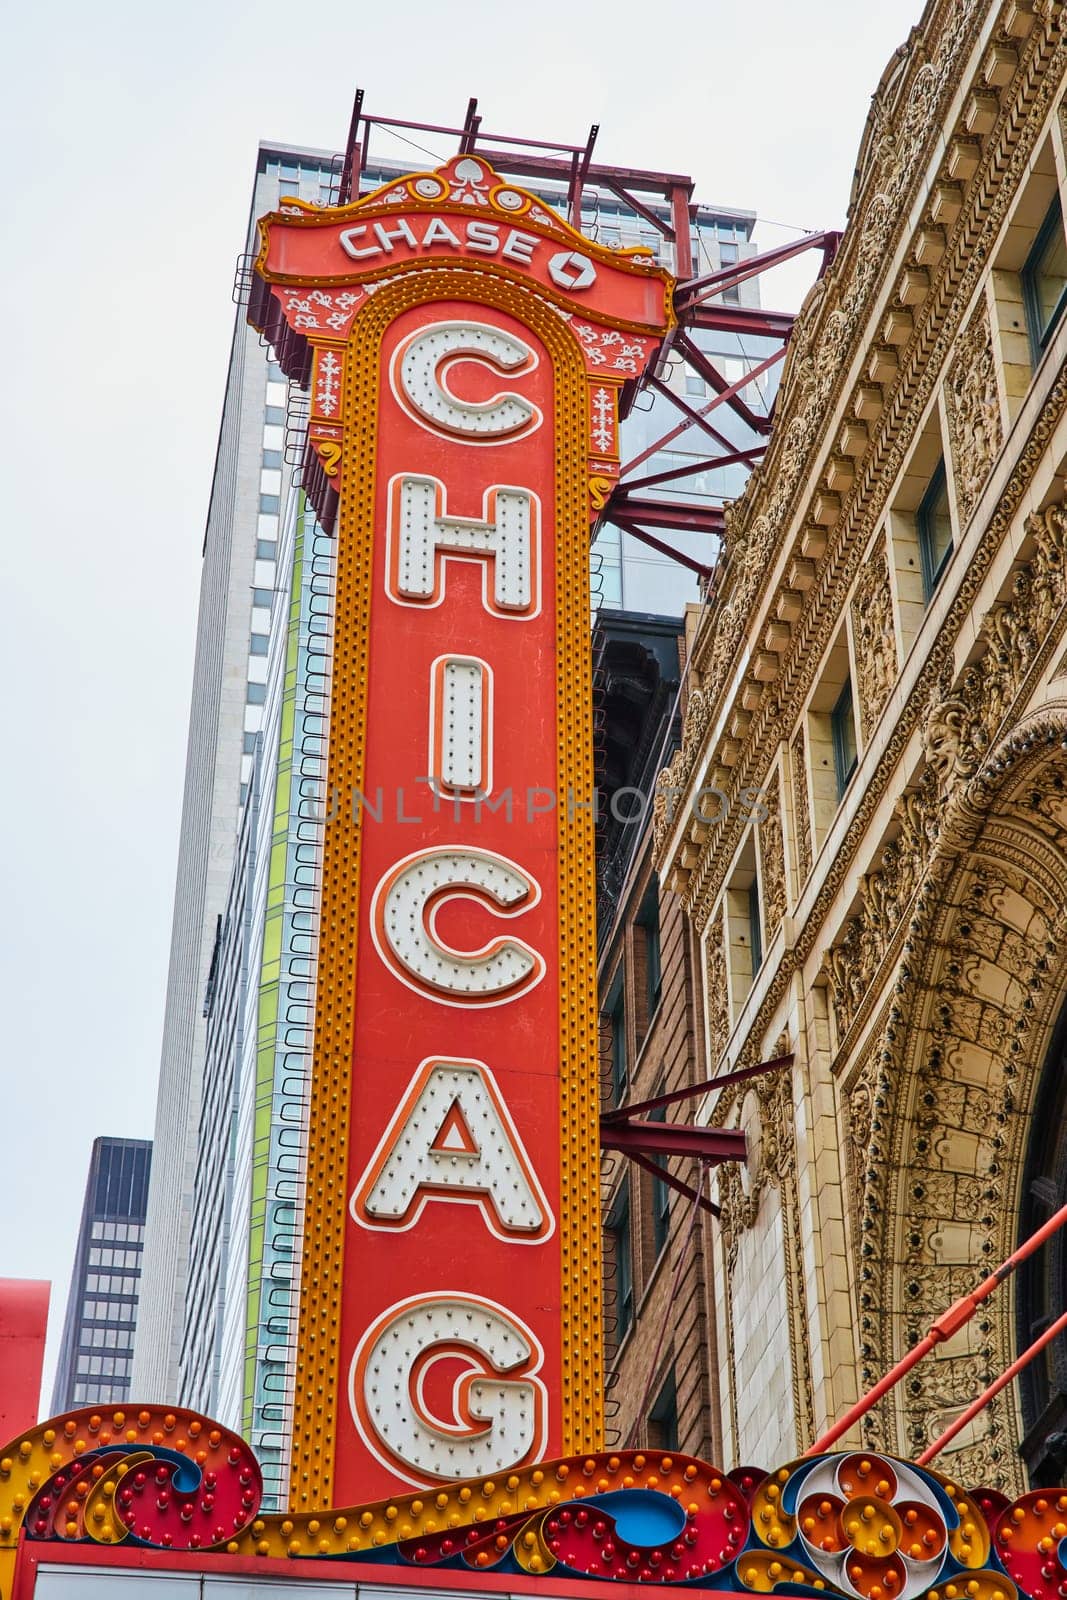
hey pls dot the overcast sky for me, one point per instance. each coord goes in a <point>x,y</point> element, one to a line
<point>131,150</point>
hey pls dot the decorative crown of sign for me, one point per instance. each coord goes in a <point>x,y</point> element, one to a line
<point>470,182</point>
<point>862,1525</point>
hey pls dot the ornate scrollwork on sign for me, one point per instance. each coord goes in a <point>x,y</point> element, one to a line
<point>974,422</point>
<point>873,637</point>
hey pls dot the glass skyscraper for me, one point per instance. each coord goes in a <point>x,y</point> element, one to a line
<point>96,1355</point>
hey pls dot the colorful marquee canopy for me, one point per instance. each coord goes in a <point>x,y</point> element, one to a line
<point>861,1525</point>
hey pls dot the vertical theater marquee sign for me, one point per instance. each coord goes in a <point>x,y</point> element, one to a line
<point>465,352</point>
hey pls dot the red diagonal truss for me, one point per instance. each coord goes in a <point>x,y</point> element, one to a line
<point>642,1139</point>
<point>676,500</point>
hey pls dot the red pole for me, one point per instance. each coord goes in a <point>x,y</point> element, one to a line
<point>994,1389</point>
<point>948,1323</point>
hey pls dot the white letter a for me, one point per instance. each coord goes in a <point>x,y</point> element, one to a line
<point>453,1139</point>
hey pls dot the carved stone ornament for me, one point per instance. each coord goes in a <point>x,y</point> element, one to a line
<point>929,69</point>
<point>959,729</point>
<point>772,859</point>
<point>945,1103</point>
<point>718,996</point>
<point>873,637</point>
<point>828,323</point>
<point>765,1108</point>
<point>973,405</point>
<point>801,808</point>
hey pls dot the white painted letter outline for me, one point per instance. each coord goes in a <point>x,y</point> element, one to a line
<point>403,917</point>
<point>422,537</point>
<point>498,1402</point>
<point>452,1139</point>
<point>420,375</point>
<point>461,727</point>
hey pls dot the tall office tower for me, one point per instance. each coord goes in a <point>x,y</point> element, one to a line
<point>223,1228</point>
<point>96,1354</point>
<point>248,496</point>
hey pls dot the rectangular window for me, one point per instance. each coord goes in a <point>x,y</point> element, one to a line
<point>256,693</point>
<point>933,524</point>
<point>622,1241</point>
<point>619,1064</point>
<point>274,416</point>
<point>663,1418</point>
<point>273,459</point>
<point>843,726</point>
<point>648,921</point>
<point>263,597</point>
<point>266,550</point>
<point>258,644</point>
<point>755,923</point>
<point>661,1193</point>
<point>1044,281</point>
<point>268,503</point>
<point>249,746</point>
<point>695,386</point>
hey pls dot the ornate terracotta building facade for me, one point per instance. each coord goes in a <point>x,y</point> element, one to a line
<point>882,661</point>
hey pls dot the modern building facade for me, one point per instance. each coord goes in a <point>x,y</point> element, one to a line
<point>224,1220</point>
<point>249,494</point>
<point>882,663</point>
<point>96,1354</point>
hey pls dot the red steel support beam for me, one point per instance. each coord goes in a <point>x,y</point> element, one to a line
<point>683,236</point>
<point>729,392</point>
<point>471,123</point>
<point>696,418</point>
<point>581,168</point>
<point>690,294</point>
<point>728,459</point>
<point>751,320</point>
<point>674,1139</point>
<point>650,217</point>
<point>702,571</point>
<point>352,151</point>
<point>948,1323</point>
<point>742,1074</point>
<point>677,514</point>
<point>698,360</point>
<point>663,1174</point>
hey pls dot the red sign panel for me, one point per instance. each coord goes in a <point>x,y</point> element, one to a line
<point>468,352</point>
